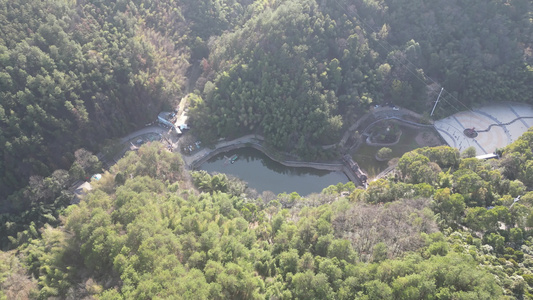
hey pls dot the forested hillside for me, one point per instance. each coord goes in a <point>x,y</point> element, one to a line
<point>73,75</point>
<point>145,232</point>
<point>301,71</point>
<point>77,74</point>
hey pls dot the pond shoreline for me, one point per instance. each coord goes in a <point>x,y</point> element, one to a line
<point>254,141</point>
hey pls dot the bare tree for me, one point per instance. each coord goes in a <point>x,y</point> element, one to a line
<point>398,225</point>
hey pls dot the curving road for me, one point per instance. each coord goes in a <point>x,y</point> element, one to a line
<point>191,159</point>
<point>380,114</point>
<point>145,130</point>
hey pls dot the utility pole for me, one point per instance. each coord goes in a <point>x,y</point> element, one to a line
<point>442,89</point>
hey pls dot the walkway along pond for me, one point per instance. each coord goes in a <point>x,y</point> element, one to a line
<point>256,142</point>
<point>264,174</point>
<point>346,164</point>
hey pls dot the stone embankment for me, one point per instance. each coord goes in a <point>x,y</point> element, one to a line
<point>369,142</point>
<point>356,175</point>
<point>256,142</point>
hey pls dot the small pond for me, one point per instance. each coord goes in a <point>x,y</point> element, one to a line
<point>365,154</point>
<point>264,174</point>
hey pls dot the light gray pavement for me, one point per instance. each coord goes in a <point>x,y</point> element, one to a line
<point>450,128</point>
<point>125,141</point>
<point>480,118</point>
<point>190,159</point>
<point>142,131</point>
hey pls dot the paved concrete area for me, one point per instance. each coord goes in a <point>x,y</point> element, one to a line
<point>481,118</point>
<point>192,158</point>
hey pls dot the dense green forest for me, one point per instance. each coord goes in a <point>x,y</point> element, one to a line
<point>300,72</point>
<point>76,75</point>
<point>73,75</point>
<point>145,232</point>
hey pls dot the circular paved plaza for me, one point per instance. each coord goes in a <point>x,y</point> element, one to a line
<point>509,121</point>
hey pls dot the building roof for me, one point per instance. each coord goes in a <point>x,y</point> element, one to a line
<point>81,191</point>
<point>182,120</point>
<point>166,115</point>
<point>487,156</point>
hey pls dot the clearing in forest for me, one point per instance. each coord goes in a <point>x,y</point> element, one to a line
<point>497,125</point>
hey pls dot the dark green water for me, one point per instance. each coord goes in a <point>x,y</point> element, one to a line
<point>264,174</point>
<point>365,155</point>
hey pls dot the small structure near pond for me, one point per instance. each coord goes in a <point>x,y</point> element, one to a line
<point>354,167</point>
<point>179,124</point>
<point>80,191</point>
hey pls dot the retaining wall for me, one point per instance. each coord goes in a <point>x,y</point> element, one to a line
<point>298,164</point>
<point>384,144</point>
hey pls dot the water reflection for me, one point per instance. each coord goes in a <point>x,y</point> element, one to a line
<point>264,174</point>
